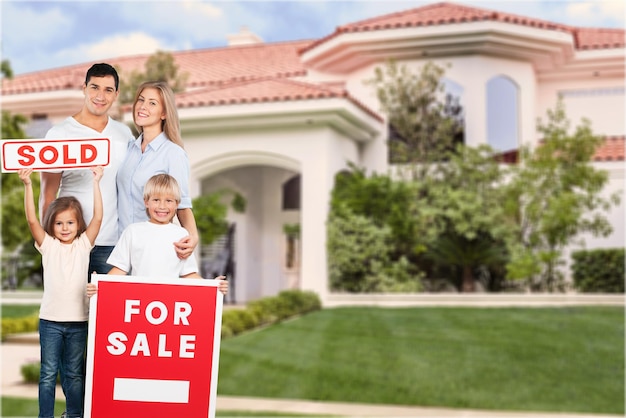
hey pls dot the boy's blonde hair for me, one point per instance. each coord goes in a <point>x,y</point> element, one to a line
<point>161,184</point>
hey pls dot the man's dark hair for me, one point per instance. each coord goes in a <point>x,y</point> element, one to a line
<point>102,70</point>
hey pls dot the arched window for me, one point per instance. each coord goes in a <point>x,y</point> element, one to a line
<point>502,114</point>
<point>291,193</point>
<point>454,105</point>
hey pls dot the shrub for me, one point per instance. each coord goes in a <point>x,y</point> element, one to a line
<point>268,310</point>
<point>600,270</point>
<point>19,325</point>
<point>31,371</point>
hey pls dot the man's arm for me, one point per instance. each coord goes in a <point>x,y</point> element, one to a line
<point>50,183</point>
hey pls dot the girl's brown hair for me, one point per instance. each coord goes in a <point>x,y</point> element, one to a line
<point>171,123</point>
<point>62,204</point>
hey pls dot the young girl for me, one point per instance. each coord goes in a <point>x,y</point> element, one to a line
<point>64,243</point>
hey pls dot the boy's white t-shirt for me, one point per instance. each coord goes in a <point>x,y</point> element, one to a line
<point>147,249</point>
<point>79,183</point>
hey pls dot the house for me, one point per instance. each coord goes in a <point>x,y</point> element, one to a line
<point>276,121</point>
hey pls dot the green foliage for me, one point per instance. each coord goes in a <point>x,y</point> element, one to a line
<point>14,226</point>
<point>292,230</point>
<point>19,325</point>
<point>360,256</point>
<point>555,195</point>
<point>600,270</point>
<point>210,214</point>
<point>424,125</point>
<point>5,69</point>
<point>464,203</point>
<point>268,310</point>
<point>15,230</point>
<point>13,125</point>
<point>386,203</point>
<point>239,320</point>
<point>158,67</point>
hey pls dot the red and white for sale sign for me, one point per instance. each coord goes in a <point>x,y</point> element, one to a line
<point>153,347</point>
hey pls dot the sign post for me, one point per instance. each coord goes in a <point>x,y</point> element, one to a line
<point>153,347</point>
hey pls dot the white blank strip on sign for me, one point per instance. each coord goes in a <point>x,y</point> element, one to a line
<point>151,390</point>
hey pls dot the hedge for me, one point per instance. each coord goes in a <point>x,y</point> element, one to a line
<point>19,325</point>
<point>600,270</point>
<point>268,310</point>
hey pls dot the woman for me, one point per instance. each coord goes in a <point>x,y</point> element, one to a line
<point>158,149</point>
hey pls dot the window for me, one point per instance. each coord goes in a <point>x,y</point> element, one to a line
<point>502,114</point>
<point>291,193</point>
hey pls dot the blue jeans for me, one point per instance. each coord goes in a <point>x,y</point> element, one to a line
<point>62,342</point>
<point>98,260</point>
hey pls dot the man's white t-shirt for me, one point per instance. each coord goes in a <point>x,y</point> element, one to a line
<point>79,183</point>
<point>147,249</point>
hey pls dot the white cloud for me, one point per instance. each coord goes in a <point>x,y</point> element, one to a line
<point>577,10</point>
<point>22,26</point>
<point>115,46</point>
<point>180,21</point>
<point>596,13</point>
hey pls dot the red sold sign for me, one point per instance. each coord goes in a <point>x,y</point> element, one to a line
<point>42,154</point>
<point>153,347</point>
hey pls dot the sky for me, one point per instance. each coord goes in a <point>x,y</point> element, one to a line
<point>40,35</point>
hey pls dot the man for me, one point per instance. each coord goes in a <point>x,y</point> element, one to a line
<point>100,89</point>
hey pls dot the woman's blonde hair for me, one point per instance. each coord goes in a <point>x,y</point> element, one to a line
<point>171,123</point>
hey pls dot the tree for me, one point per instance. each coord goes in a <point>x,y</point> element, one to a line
<point>14,223</point>
<point>424,125</point>
<point>555,195</point>
<point>5,68</point>
<point>210,214</point>
<point>468,222</point>
<point>360,257</point>
<point>158,67</point>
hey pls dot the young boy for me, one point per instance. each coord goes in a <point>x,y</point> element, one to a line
<point>145,248</point>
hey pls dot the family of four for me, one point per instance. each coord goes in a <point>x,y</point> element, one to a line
<point>112,220</point>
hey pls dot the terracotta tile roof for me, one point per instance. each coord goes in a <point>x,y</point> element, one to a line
<point>450,13</point>
<point>591,38</point>
<point>611,150</point>
<point>263,91</point>
<point>204,66</point>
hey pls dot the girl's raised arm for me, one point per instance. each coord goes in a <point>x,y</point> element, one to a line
<point>94,226</point>
<point>29,206</point>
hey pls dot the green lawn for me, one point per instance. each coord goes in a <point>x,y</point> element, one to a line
<point>18,311</point>
<point>18,407</point>
<point>536,359</point>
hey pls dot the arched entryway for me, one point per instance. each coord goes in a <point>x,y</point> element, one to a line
<point>265,253</point>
